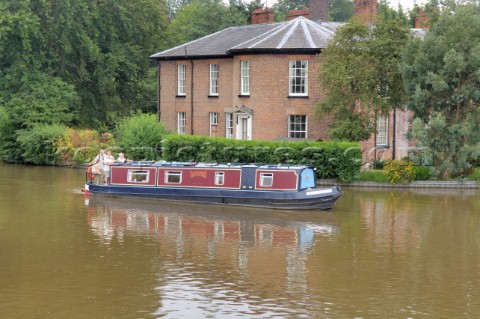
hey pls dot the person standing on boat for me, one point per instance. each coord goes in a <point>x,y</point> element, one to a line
<point>109,160</point>
<point>98,165</point>
<point>121,158</point>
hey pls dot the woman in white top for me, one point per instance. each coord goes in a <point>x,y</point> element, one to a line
<point>109,160</point>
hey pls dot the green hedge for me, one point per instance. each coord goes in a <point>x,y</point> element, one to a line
<point>332,159</point>
<point>37,144</point>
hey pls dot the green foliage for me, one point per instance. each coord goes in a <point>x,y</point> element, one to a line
<point>140,136</point>
<point>378,164</point>
<point>282,7</point>
<point>360,76</point>
<point>400,172</point>
<point>475,175</point>
<point>77,146</point>
<point>379,176</point>
<point>451,155</point>
<point>422,173</point>
<point>96,52</point>
<point>332,159</point>
<point>9,148</point>
<point>200,18</point>
<point>37,144</point>
<point>36,98</point>
<point>441,71</point>
<point>340,10</point>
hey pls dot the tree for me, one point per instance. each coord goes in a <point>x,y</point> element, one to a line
<point>282,7</point>
<point>360,76</point>
<point>141,135</point>
<point>340,10</point>
<point>441,76</point>
<point>200,18</point>
<point>102,48</point>
<point>35,99</point>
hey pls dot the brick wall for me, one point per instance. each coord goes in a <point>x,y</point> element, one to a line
<point>261,15</point>
<point>366,10</point>
<point>318,10</point>
<point>269,100</point>
<point>293,14</point>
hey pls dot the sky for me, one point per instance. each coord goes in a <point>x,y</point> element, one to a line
<point>406,4</point>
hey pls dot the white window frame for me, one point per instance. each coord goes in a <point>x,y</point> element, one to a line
<point>298,78</point>
<point>214,74</point>
<point>213,122</point>
<point>182,123</point>
<point>219,178</point>
<point>169,175</point>
<point>245,77</point>
<point>266,179</point>
<point>382,130</point>
<point>229,125</point>
<point>134,176</point>
<point>182,80</point>
<point>294,127</point>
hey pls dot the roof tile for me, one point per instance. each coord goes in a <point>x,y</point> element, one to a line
<point>296,34</point>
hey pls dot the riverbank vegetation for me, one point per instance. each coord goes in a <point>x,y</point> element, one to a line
<point>142,137</point>
<point>371,72</point>
<point>72,70</point>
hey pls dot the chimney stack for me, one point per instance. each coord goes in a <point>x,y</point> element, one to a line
<point>292,14</point>
<point>261,15</point>
<point>318,10</point>
<point>366,10</point>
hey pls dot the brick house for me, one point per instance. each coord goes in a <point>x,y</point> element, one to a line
<point>260,81</point>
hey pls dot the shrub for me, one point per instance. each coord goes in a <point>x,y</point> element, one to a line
<point>378,164</point>
<point>77,146</point>
<point>475,175</point>
<point>332,159</point>
<point>10,151</point>
<point>140,136</point>
<point>373,176</point>
<point>37,144</point>
<point>422,173</point>
<point>400,172</point>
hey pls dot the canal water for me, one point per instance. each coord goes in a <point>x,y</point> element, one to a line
<point>377,254</point>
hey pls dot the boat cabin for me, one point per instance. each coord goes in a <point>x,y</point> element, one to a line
<point>222,176</point>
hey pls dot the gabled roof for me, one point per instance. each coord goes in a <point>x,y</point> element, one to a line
<point>299,35</point>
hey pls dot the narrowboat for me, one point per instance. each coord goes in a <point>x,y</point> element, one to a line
<point>273,186</point>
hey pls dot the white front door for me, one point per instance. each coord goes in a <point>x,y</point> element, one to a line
<point>244,127</point>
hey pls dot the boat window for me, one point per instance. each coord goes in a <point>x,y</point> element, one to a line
<point>173,177</point>
<point>219,178</point>
<point>138,176</point>
<point>266,179</point>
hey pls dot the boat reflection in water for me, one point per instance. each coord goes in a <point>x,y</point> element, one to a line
<point>216,261</point>
<point>113,217</point>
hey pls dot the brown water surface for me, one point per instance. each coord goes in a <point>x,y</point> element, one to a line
<point>377,254</point>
